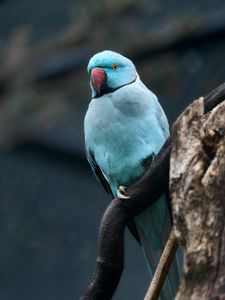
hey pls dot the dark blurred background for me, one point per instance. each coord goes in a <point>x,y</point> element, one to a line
<point>50,203</point>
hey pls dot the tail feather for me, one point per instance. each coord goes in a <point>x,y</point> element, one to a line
<point>154,226</point>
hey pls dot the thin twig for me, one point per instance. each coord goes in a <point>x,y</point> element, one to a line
<point>162,268</point>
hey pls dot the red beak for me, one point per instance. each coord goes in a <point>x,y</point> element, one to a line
<point>98,78</point>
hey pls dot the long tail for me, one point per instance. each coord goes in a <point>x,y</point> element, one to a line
<point>154,226</point>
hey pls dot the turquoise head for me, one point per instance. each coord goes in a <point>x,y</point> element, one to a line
<point>109,71</point>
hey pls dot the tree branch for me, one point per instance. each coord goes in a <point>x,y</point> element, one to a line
<point>162,268</point>
<point>143,193</point>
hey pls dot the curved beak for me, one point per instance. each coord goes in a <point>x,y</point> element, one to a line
<point>98,78</point>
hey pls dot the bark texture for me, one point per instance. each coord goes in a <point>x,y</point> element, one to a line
<point>197,181</point>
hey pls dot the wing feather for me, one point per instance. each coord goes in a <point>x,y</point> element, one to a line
<point>100,177</point>
<point>98,172</point>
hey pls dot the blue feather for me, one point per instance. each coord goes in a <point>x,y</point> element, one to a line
<point>123,127</point>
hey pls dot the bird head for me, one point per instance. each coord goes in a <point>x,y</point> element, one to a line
<point>109,71</point>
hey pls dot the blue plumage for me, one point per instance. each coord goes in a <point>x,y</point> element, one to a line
<point>124,126</point>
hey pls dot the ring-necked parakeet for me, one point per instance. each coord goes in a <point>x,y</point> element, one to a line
<point>125,127</point>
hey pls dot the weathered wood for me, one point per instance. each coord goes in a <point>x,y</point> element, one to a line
<point>197,180</point>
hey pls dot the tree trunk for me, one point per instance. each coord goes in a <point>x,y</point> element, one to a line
<point>197,181</point>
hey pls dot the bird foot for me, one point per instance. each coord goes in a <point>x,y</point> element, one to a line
<point>121,192</point>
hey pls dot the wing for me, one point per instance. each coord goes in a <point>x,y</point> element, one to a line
<point>100,177</point>
<point>98,172</point>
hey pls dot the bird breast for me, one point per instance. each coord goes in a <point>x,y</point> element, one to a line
<point>121,129</point>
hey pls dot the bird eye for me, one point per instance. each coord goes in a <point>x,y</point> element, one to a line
<point>115,67</point>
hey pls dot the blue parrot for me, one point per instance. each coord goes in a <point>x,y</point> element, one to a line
<point>125,127</point>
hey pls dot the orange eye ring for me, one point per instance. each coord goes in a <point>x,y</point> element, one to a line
<point>115,67</point>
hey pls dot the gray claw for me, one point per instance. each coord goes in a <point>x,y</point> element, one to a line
<point>121,192</point>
